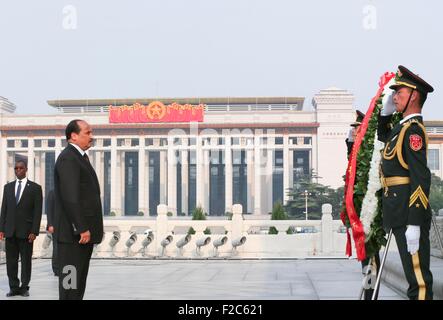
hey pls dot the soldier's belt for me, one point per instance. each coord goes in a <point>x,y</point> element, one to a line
<point>393,181</point>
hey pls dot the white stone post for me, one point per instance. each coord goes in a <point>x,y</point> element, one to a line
<point>327,236</point>
<point>162,225</point>
<point>237,221</point>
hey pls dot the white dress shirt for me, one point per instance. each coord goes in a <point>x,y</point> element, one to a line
<point>24,182</point>
<point>78,148</point>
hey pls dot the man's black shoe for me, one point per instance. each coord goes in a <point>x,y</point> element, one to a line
<point>25,293</point>
<point>12,293</point>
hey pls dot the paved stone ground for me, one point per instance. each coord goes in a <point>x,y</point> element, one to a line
<point>318,279</point>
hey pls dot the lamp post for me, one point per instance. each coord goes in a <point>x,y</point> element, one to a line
<point>306,193</point>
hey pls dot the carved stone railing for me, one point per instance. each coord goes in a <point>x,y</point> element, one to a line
<point>165,237</point>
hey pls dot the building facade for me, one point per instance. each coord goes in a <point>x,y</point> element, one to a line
<point>245,150</point>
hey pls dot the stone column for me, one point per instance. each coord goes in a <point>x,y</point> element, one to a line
<point>114,181</point>
<point>142,204</point>
<point>286,169</point>
<point>58,147</point>
<point>313,155</point>
<point>228,176</point>
<point>147,177</point>
<point>38,160</point>
<point>121,173</point>
<point>269,172</point>
<point>250,180</point>
<point>200,173</point>
<point>205,180</point>
<point>99,170</point>
<point>172,177</point>
<point>257,178</point>
<point>4,161</point>
<point>163,178</point>
<point>31,156</point>
<point>185,180</point>
<point>42,172</point>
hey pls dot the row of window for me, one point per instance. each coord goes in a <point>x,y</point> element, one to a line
<point>38,143</point>
<point>134,142</point>
<point>433,154</point>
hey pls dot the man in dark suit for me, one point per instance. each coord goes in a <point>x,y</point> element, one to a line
<point>50,213</point>
<point>20,218</point>
<point>78,221</point>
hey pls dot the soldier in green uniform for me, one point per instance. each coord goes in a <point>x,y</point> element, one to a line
<point>353,131</point>
<point>406,180</point>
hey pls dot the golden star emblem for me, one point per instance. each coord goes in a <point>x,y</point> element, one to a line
<point>156,110</point>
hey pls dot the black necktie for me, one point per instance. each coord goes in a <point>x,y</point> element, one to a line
<point>85,156</point>
<point>19,189</point>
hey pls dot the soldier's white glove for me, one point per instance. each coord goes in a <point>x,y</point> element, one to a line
<point>388,103</point>
<point>351,135</point>
<point>413,238</point>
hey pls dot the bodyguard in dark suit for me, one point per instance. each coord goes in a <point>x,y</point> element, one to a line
<point>50,215</point>
<point>20,224</point>
<point>78,221</point>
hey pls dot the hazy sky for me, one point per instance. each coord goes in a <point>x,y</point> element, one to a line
<point>56,49</point>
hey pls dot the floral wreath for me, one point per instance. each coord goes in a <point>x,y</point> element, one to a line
<point>362,212</point>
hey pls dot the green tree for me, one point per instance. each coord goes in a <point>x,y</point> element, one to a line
<point>307,192</point>
<point>436,193</point>
<point>278,213</point>
<point>198,214</point>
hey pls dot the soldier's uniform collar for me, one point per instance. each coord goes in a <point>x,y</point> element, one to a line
<point>409,117</point>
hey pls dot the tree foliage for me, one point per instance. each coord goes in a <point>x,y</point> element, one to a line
<point>306,191</point>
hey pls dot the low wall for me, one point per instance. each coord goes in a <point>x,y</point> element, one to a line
<point>312,238</point>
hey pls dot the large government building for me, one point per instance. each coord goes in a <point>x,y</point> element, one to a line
<point>185,152</point>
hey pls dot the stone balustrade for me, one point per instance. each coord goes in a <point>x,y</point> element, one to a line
<point>309,238</point>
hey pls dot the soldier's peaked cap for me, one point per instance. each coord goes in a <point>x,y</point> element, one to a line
<point>359,118</point>
<point>406,78</point>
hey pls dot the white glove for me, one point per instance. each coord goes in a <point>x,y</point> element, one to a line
<point>413,238</point>
<point>388,103</point>
<point>351,135</point>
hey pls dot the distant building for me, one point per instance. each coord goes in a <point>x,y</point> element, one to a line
<point>212,163</point>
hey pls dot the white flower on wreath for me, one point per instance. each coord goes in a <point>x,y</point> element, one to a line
<point>370,201</point>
